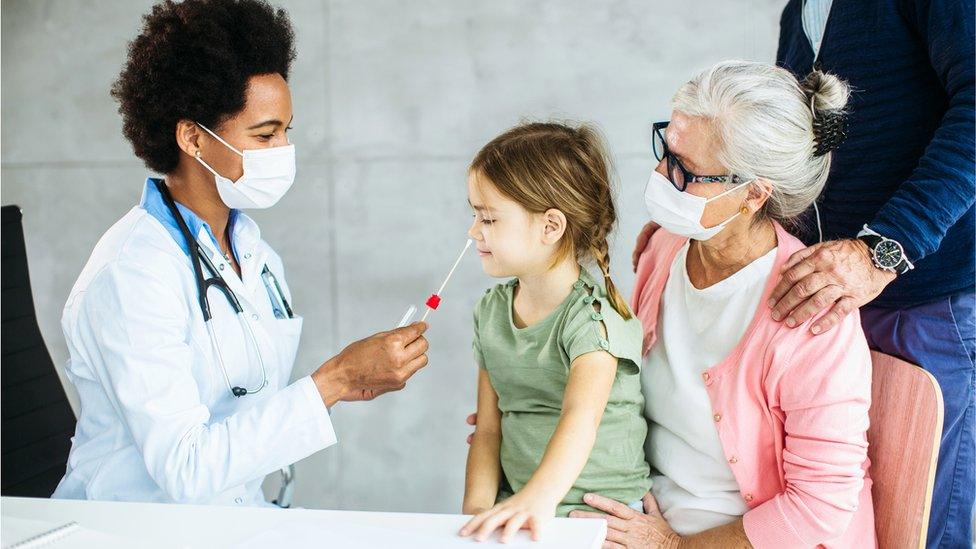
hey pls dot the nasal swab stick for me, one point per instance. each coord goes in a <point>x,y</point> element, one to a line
<point>435,299</point>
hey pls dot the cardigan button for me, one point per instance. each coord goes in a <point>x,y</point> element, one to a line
<point>706,377</point>
<point>748,498</point>
<point>717,417</point>
<point>733,459</point>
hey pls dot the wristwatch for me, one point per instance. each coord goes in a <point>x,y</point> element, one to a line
<point>886,254</point>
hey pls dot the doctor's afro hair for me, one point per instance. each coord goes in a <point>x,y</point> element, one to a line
<point>192,61</point>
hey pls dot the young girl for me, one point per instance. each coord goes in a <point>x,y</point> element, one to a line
<point>559,398</point>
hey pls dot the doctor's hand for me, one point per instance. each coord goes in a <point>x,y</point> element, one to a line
<point>370,367</point>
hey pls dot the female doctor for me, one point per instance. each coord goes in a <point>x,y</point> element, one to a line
<point>181,330</point>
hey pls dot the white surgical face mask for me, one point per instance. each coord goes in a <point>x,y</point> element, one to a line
<point>679,212</point>
<point>268,174</point>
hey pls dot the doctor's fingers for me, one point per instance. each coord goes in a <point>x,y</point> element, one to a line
<point>410,333</point>
<point>415,348</point>
<point>415,364</point>
<point>401,370</point>
<point>370,394</point>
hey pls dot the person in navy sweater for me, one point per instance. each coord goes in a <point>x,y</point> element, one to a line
<point>897,212</point>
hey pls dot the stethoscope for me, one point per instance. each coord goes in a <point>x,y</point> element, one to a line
<point>215,280</point>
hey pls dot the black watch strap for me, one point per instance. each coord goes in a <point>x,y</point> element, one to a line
<point>872,240</point>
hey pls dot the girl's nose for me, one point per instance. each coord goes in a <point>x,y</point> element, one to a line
<point>473,231</point>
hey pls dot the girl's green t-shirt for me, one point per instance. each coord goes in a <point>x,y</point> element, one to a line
<point>529,367</point>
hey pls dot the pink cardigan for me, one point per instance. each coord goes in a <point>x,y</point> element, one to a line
<point>791,411</point>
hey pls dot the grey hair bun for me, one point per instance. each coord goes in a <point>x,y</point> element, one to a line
<point>827,95</point>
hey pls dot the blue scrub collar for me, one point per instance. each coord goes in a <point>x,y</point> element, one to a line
<point>153,203</point>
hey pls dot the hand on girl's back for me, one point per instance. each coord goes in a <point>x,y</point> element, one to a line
<point>472,420</point>
<point>642,239</point>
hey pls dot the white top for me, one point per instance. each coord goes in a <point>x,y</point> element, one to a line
<point>152,525</point>
<point>814,19</point>
<point>157,421</point>
<point>696,330</point>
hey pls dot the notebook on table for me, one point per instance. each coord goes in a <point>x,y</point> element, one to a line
<point>19,533</point>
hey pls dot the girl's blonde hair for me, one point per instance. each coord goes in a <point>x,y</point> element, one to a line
<point>548,165</point>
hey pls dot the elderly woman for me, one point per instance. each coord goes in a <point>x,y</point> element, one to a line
<point>757,431</point>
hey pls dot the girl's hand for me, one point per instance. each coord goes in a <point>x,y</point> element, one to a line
<point>627,528</point>
<point>523,511</point>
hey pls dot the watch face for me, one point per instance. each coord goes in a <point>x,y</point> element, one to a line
<point>888,254</point>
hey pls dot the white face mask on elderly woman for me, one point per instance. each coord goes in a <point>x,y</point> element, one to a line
<point>268,174</point>
<point>679,212</point>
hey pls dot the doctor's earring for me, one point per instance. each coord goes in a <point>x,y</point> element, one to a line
<point>744,210</point>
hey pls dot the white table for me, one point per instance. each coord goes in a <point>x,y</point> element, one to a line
<point>120,524</point>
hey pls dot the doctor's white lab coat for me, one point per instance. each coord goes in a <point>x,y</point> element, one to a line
<point>157,421</point>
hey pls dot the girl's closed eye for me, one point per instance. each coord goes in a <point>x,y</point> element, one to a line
<point>484,220</point>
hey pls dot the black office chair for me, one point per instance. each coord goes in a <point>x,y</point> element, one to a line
<point>37,422</point>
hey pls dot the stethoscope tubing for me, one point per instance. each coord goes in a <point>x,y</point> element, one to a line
<point>203,284</point>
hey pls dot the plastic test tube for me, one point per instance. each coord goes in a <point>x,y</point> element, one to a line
<point>408,316</point>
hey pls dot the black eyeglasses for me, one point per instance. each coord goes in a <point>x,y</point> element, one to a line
<point>677,173</point>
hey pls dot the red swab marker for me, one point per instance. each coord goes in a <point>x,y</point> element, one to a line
<point>435,299</point>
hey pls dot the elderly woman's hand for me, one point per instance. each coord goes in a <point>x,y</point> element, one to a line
<point>837,275</point>
<point>642,239</point>
<point>627,528</point>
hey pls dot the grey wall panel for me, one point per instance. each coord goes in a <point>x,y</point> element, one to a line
<point>392,99</point>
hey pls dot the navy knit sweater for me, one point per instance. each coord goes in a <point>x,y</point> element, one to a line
<point>907,167</point>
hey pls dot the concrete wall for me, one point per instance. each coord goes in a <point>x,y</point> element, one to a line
<point>392,99</point>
